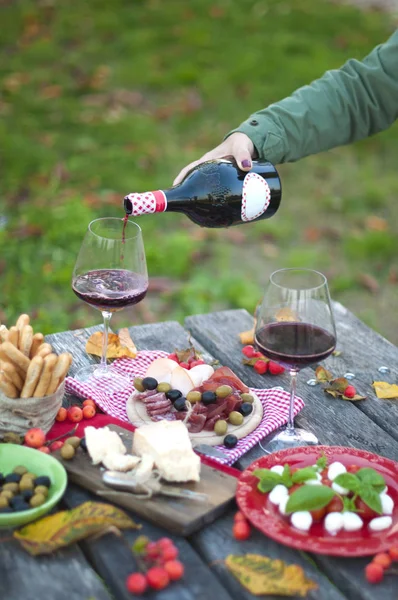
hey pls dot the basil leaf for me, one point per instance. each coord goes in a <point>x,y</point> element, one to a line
<point>322,462</point>
<point>268,479</point>
<point>370,476</point>
<point>304,474</point>
<point>371,498</point>
<point>309,497</point>
<point>287,476</point>
<point>349,504</point>
<point>266,486</point>
<point>379,488</point>
<point>349,481</point>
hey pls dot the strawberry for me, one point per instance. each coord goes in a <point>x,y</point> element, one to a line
<point>248,351</point>
<point>275,368</point>
<point>261,367</point>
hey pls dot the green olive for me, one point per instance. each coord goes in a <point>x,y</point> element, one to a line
<point>194,397</point>
<point>31,475</point>
<point>3,502</point>
<point>37,500</point>
<point>138,384</point>
<point>223,391</point>
<point>221,427</point>
<point>26,483</point>
<point>247,398</point>
<point>20,470</point>
<point>41,489</point>
<point>163,387</point>
<point>73,441</point>
<point>67,451</point>
<point>13,487</point>
<point>7,494</point>
<point>235,418</point>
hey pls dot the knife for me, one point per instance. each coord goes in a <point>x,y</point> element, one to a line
<point>211,451</point>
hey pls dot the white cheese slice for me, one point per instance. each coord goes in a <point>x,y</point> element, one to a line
<point>114,461</point>
<point>168,443</point>
<point>101,442</point>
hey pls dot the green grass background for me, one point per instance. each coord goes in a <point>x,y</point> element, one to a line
<point>101,98</point>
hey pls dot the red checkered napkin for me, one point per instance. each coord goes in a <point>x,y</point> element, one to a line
<point>112,400</point>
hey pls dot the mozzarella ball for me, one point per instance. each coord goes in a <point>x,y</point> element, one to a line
<point>277,469</point>
<point>387,504</point>
<point>301,520</point>
<point>282,505</point>
<point>336,468</point>
<point>380,523</point>
<point>334,522</point>
<point>351,521</point>
<point>340,490</point>
<point>317,481</point>
<point>277,494</point>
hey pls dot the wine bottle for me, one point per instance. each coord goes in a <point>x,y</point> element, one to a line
<point>216,193</point>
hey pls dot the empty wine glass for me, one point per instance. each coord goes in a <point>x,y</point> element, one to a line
<point>295,327</point>
<point>110,273</point>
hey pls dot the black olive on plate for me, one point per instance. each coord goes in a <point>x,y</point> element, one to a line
<point>13,478</point>
<point>43,480</point>
<point>83,444</point>
<point>246,408</point>
<point>209,398</point>
<point>173,395</point>
<point>179,404</point>
<point>149,383</point>
<point>230,440</point>
<point>27,495</point>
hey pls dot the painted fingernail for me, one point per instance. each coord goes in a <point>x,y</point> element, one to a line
<point>246,163</point>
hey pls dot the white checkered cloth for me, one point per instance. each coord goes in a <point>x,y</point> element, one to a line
<point>112,400</point>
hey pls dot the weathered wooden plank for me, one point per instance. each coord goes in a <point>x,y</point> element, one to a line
<point>334,422</point>
<point>364,352</point>
<point>63,575</point>
<point>112,558</point>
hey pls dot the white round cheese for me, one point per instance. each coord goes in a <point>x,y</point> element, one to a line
<point>380,523</point>
<point>336,468</point>
<point>333,522</point>
<point>301,520</point>
<point>351,521</point>
<point>278,494</point>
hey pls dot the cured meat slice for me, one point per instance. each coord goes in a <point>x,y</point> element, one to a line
<point>225,376</point>
<point>233,403</point>
<point>146,394</point>
<point>199,409</point>
<point>209,425</point>
<point>167,417</point>
<point>159,411</point>
<point>159,404</point>
<point>196,423</point>
<point>155,397</point>
<point>216,409</point>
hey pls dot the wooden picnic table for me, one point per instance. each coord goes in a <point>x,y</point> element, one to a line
<point>96,570</point>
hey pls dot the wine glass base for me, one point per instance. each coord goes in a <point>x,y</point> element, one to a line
<point>287,438</point>
<point>93,374</point>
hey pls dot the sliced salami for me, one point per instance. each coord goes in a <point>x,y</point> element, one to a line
<point>196,423</point>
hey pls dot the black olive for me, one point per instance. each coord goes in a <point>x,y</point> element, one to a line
<point>179,404</point>
<point>43,480</point>
<point>209,398</point>
<point>21,506</point>
<point>27,495</point>
<point>230,440</point>
<point>6,509</point>
<point>1,478</point>
<point>173,395</point>
<point>12,478</point>
<point>246,408</point>
<point>149,383</point>
<point>16,500</point>
<point>83,444</point>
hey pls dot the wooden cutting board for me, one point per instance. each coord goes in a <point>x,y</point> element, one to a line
<point>177,515</point>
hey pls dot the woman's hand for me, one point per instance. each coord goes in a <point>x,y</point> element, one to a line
<point>238,145</point>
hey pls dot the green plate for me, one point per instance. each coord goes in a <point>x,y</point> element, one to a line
<point>12,456</point>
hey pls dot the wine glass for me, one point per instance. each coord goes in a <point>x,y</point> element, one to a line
<point>110,273</point>
<point>295,327</point>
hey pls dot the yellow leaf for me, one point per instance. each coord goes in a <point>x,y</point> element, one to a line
<point>385,391</point>
<point>118,345</point>
<point>262,575</point>
<point>68,526</point>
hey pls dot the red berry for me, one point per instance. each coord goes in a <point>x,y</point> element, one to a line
<point>383,559</point>
<point>248,351</point>
<point>75,414</point>
<point>89,402</point>
<point>258,355</point>
<point>196,363</point>
<point>89,412</point>
<point>175,569</point>
<point>239,516</point>
<point>61,414</point>
<point>56,445</point>
<point>174,357</point>
<point>374,573</point>
<point>350,391</point>
<point>260,367</point>
<point>44,449</point>
<point>164,542</point>
<point>364,510</point>
<point>169,553</point>
<point>184,365</point>
<point>152,550</point>
<point>157,578</point>
<point>136,583</point>
<point>241,530</point>
<point>393,552</point>
<point>275,368</point>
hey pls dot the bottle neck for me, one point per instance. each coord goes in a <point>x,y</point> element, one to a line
<point>145,203</point>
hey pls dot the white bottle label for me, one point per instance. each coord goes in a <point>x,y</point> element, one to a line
<point>256,196</point>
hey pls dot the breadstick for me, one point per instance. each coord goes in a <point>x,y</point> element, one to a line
<point>13,336</point>
<point>60,371</point>
<point>3,333</point>
<point>44,350</point>
<point>12,374</point>
<point>37,341</point>
<point>25,340</point>
<point>7,387</point>
<point>22,321</point>
<point>45,377</point>
<point>32,376</point>
<point>14,355</point>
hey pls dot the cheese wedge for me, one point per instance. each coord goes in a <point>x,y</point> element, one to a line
<point>168,443</point>
<point>101,442</point>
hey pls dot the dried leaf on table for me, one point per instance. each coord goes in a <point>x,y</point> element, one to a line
<point>247,337</point>
<point>126,341</point>
<point>63,528</point>
<point>118,346</point>
<point>264,576</point>
<point>323,374</point>
<point>385,391</point>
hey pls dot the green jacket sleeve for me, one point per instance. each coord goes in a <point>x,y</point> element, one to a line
<point>345,105</point>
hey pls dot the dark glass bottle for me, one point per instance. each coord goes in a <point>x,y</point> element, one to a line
<point>216,193</point>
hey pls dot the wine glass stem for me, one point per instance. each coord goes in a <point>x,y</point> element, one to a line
<point>293,385</point>
<point>107,319</point>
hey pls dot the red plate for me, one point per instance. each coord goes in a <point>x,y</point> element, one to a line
<point>266,517</point>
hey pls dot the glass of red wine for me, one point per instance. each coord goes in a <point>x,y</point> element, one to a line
<point>295,327</point>
<point>110,274</point>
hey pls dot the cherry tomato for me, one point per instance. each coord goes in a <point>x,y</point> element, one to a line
<point>335,505</point>
<point>353,468</point>
<point>365,511</point>
<point>317,515</point>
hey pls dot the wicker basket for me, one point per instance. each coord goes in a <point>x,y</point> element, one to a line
<point>21,414</point>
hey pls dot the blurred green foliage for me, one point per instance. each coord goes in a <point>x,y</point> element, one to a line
<point>101,98</point>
